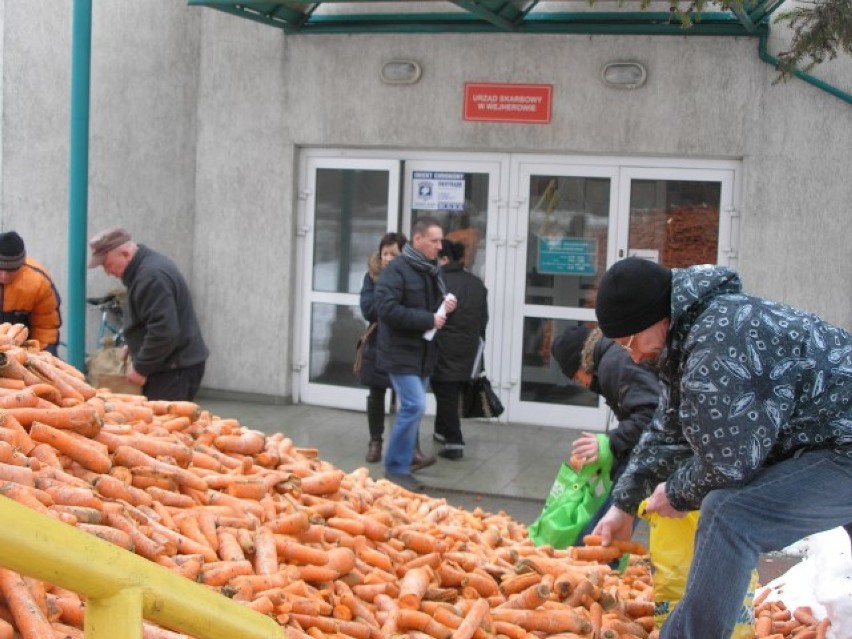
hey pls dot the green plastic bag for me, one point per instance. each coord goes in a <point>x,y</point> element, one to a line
<point>574,499</point>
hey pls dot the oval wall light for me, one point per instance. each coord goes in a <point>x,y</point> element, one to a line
<point>624,75</point>
<point>400,72</point>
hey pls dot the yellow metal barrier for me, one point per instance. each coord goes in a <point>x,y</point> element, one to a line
<point>120,588</point>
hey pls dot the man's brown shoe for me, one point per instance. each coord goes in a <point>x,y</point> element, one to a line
<point>421,460</point>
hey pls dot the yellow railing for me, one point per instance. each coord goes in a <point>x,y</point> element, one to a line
<point>120,588</point>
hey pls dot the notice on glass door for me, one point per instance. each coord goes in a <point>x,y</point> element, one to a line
<point>435,190</point>
<point>567,256</point>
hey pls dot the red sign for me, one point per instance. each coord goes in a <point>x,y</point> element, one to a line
<point>525,103</point>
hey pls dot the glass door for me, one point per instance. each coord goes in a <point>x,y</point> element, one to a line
<point>349,205</point>
<point>561,230</point>
<point>469,198</point>
<point>678,217</point>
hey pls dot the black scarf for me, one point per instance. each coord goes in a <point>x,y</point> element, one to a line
<point>420,263</point>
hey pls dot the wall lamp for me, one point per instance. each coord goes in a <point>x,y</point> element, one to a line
<point>624,75</point>
<point>400,72</point>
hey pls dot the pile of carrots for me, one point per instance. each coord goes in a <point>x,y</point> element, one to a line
<point>273,526</point>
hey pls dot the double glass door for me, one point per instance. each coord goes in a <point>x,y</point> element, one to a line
<point>539,231</point>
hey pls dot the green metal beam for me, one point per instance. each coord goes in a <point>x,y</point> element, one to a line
<point>78,181</point>
<point>767,57</point>
<point>610,23</point>
<point>478,10</point>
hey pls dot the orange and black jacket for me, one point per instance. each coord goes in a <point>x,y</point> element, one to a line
<point>31,299</point>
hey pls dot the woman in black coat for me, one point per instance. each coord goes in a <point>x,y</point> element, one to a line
<point>631,390</point>
<point>371,376</point>
<point>458,343</point>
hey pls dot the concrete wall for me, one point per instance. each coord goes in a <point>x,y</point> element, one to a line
<point>198,118</point>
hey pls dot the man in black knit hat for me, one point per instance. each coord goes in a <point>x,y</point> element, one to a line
<point>754,426</point>
<point>28,294</point>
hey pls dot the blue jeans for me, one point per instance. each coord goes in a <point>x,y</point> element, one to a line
<point>783,503</point>
<point>411,391</point>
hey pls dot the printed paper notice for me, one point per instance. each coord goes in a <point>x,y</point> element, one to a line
<point>434,190</point>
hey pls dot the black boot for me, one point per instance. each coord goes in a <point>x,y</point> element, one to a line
<point>421,459</point>
<point>374,452</point>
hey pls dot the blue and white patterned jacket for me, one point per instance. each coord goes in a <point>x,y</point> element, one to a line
<point>746,382</point>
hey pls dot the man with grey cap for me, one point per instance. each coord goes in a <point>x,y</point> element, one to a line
<point>167,350</point>
<point>754,426</point>
<point>27,293</point>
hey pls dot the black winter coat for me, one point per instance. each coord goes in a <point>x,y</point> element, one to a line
<point>458,339</point>
<point>371,375</point>
<point>406,302</point>
<point>160,325</point>
<point>631,390</point>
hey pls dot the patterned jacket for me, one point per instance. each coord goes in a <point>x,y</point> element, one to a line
<point>746,383</point>
<point>31,299</point>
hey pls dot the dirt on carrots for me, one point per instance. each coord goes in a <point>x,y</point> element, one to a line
<point>273,526</point>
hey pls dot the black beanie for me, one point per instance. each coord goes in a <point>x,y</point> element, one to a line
<point>567,349</point>
<point>633,295</point>
<point>12,252</point>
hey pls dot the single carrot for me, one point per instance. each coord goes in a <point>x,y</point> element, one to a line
<point>548,621</point>
<point>82,419</point>
<point>625,546</point>
<point>81,451</point>
<point>112,535</point>
<point>529,598</point>
<point>322,483</point>
<point>247,443</point>
<point>218,573</point>
<point>413,586</point>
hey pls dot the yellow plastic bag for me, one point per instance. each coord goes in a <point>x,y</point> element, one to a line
<point>671,546</point>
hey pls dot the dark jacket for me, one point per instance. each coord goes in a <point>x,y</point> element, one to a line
<point>371,375</point>
<point>458,339</point>
<point>631,390</point>
<point>746,383</point>
<point>406,302</point>
<point>160,326</point>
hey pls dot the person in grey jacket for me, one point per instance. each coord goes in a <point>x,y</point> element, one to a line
<point>754,426</point>
<point>458,344</point>
<point>167,351</point>
<point>631,390</point>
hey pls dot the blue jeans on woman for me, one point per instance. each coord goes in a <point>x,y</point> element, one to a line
<point>786,501</point>
<point>411,391</point>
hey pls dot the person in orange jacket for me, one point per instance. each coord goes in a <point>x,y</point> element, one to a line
<point>28,294</point>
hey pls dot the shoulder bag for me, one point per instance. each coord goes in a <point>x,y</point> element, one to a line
<point>360,345</point>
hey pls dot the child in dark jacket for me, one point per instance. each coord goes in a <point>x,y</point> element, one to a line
<point>631,390</point>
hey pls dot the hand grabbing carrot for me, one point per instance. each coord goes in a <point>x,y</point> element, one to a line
<point>616,524</point>
<point>585,448</point>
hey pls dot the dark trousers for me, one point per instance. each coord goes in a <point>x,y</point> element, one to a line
<point>176,384</point>
<point>447,421</point>
<point>376,412</point>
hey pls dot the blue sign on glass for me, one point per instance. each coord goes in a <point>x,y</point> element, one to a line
<point>567,256</point>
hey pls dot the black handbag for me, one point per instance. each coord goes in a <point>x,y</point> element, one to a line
<point>478,399</point>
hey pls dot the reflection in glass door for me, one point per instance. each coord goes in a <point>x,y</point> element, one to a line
<point>564,227</point>
<point>679,217</point>
<point>351,203</point>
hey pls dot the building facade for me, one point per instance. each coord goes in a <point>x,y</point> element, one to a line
<point>268,166</point>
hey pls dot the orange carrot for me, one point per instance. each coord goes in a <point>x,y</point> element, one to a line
<point>322,483</point>
<point>530,598</point>
<point>548,621</point>
<point>248,443</point>
<point>218,573</point>
<point>18,474</point>
<point>413,586</point>
<point>29,618</point>
<point>472,620</point>
<point>81,451</point>
<point>112,535</point>
<point>625,546</point>
<point>82,419</point>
